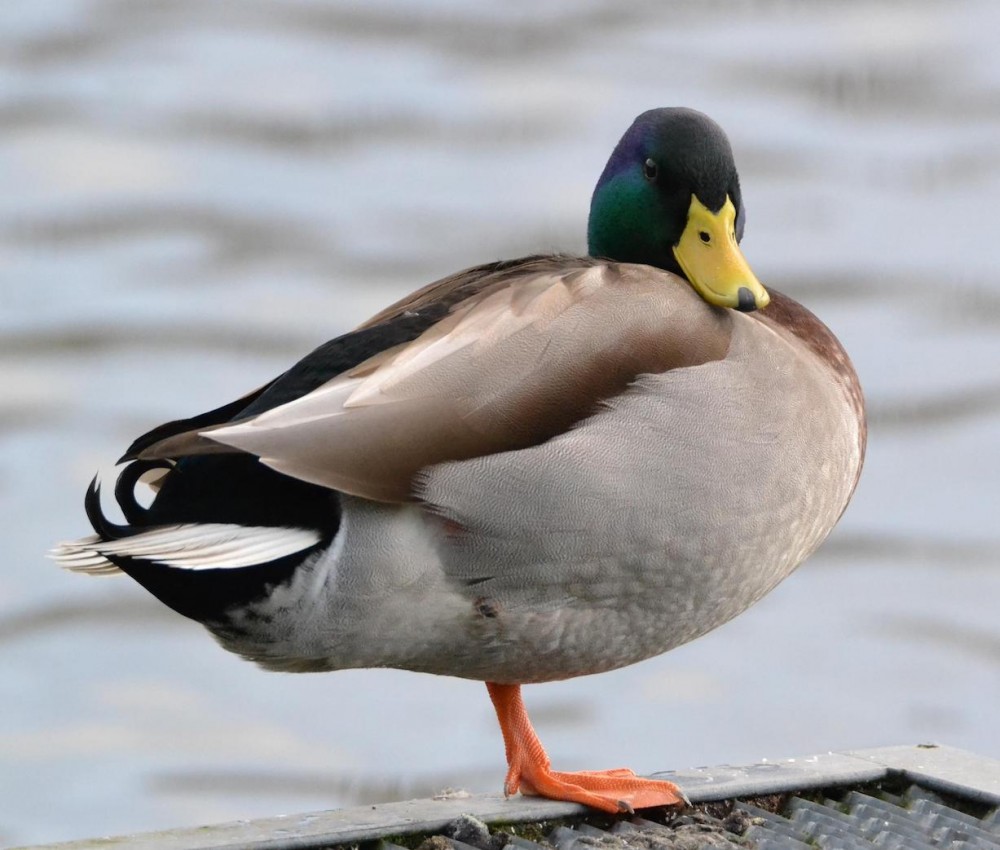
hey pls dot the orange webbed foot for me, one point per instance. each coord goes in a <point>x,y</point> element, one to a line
<point>618,790</point>
<point>610,791</point>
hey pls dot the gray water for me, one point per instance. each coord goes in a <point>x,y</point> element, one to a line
<point>196,193</point>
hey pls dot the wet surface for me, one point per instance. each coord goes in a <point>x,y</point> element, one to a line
<point>196,194</point>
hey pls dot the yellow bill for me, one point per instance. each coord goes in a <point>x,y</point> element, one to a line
<point>711,259</point>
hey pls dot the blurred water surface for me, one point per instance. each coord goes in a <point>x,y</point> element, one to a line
<point>195,194</point>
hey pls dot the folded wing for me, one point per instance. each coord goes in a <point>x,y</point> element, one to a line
<point>510,366</point>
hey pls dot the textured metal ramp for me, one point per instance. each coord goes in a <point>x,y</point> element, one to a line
<point>896,797</point>
<point>915,820</point>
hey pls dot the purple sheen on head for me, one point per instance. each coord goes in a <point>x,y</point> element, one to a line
<point>631,148</point>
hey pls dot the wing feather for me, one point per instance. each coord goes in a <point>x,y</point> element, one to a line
<point>201,546</point>
<point>509,366</point>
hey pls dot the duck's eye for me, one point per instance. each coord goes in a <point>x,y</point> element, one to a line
<point>649,170</point>
<point>704,236</point>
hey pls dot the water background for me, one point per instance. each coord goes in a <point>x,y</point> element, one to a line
<point>194,194</point>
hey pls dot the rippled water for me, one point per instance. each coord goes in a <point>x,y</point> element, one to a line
<point>195,194</point>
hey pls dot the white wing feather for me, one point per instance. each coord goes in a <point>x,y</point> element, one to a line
<point>212,546</point>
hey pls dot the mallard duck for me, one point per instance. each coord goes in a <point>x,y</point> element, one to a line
<point>531,470</point>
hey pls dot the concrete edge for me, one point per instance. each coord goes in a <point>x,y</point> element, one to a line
<point>945,769</point>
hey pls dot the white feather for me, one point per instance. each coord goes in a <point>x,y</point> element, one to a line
<point>190,547</point>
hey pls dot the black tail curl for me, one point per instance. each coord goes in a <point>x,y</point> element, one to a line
<point>125,488</point>
<point>135,514</point>
<point>104,527</point>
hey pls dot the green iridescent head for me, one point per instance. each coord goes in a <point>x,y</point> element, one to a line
<point>670,197</point>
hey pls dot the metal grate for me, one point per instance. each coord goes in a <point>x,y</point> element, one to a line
<point>917,819</point>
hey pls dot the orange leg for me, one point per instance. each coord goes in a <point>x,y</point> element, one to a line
<point>529,769</point>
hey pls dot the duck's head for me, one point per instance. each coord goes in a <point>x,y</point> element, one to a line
<point>670,197</point>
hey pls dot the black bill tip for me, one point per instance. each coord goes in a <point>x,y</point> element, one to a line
<point>746,303</point>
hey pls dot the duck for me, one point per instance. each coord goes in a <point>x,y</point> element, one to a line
<point>530,470</point>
